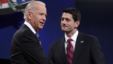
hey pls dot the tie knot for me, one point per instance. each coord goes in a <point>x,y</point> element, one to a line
<point>69,40</point>
<point>37,34</point>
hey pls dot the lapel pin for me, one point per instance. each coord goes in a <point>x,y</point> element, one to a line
<point>81,41</point>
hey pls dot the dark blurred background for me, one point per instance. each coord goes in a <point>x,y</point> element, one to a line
<point>96,20</point>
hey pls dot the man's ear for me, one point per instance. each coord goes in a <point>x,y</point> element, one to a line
<point>30,15</point>
<point>77,23</point>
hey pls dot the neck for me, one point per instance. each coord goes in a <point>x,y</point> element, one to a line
<point>32,25</point>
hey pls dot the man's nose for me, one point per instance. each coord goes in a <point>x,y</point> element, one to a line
<point>44,18</point>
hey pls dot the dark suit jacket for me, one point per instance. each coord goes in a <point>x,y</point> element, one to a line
<point>26,48</point>
<point>87,51</point>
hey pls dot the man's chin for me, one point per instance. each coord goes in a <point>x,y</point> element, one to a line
<point>64,30</point>
<point>41,27</point>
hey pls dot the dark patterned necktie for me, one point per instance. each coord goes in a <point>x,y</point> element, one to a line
<point>69,51</point>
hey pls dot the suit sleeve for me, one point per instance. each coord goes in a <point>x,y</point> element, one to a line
<point>96,52</point>
<point>50,56</point>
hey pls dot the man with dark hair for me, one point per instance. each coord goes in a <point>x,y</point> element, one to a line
<point>75,47</point>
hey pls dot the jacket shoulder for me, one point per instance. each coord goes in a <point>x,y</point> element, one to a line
<point>87,36</point>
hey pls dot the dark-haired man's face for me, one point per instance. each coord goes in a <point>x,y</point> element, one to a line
<point>67,23</point>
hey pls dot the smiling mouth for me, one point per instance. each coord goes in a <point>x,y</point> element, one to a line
<point>42,23</point>
<point>64,26</point>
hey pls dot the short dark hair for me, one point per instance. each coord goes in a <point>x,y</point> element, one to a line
<point>75,13</point>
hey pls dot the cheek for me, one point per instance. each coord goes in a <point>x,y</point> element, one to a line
<point>61,24</point>
<point>37,23</point>
<point>75,25</point>
<point>71,26</point>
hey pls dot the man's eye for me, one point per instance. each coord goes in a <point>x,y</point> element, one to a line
<point>41,14</point>
<point>67,19</point>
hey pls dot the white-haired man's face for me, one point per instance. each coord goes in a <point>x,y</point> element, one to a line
<point>38,16</point>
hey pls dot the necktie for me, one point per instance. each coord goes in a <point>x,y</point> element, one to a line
<point>38,37</point>
<point>69,51</point>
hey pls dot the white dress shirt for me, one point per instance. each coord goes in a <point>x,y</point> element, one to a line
<point>74,38</point>
<point>30,27</point>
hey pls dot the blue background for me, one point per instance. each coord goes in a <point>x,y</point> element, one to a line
<point>97,19</point>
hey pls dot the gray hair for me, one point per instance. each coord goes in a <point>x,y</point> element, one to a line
<point>31,7</point>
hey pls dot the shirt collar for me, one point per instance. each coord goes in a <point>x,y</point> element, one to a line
<point>73,37</point>
<point>30,27</point>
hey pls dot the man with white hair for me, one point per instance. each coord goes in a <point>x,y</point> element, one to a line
<point>26,46</point>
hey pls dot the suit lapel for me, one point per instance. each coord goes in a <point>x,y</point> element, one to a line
<point>78,47</point>
<point>29,32</point>
<point>63,54</point>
